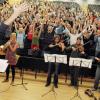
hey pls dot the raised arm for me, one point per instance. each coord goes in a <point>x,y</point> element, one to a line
<point>15,27</point>
<point>17,11</point>
<point>41,26</point>
<point>66,30</point>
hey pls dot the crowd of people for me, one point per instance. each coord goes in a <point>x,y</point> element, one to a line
<point>33,26</point>
<point>53,27</point>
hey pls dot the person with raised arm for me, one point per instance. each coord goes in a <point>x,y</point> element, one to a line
<point>4,25</point>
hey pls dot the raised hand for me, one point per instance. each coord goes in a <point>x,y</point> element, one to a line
<point>21,8</point>
<point>17,11</point>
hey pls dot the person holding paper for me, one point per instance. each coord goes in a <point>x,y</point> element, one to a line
<point>54,48</point>
<point>97,76</point>
<point>77,52</point>
<point>11,56</point>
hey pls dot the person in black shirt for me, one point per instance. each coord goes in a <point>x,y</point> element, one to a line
<point>77,52</point>
<point>47,36</point>
<point>97,76</point>
<point>54,48</point>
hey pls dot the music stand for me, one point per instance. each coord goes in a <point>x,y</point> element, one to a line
<point>22,79</point>
<point>79,62</point>
<point>86,63</point>
<point>54,58</point>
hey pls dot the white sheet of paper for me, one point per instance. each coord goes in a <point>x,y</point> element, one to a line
<point>3,60</point>
<point>3,65</point>
<point>45,57</point>
<point>49,57</point>
<point>61,59</point>
<point>86,63</point>
<point>74,61</point>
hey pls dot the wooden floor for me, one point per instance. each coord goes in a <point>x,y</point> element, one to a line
<point>36,90</point>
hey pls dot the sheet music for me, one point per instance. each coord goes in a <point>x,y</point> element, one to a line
<point>86,63</point>
<point>61,59</point>
<point>3,60</point>
<point>3,65</point>
<point>74,61</point>
<point>55,58</point>
<point>77,61</point>
<point>49,57</point>
<point>45,57</point>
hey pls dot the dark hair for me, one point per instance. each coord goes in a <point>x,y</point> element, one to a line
<point>79,38</point>
<point>56,36</point>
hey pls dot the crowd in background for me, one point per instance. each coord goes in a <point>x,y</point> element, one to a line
<point>36,27</point>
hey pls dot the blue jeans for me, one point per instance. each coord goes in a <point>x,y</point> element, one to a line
<point>53,68</point>
<point>97,77</point>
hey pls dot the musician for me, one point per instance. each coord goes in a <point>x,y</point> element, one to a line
<point>77,51</point>
<point>54,48</point>
<point>97,76</point>
<point>11,47</point>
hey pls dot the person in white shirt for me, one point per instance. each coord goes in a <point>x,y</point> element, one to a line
<point>73,35</point>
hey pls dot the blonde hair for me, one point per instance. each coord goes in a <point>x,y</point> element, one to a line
<point>13,35</point>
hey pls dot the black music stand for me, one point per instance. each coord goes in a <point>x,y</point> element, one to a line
<point>54,58</point>
<point>22,79</point>
<point>79,62</point>
<point>86,63</point>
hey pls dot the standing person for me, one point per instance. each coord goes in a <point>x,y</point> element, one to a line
<point>11,47</point>
<point>54,48</point>
<point>20,36</point>
<point>77,51</point>
<point>35,43</point>
<point>73,35</point>
<point>97,42</point>
<point>48,36</point>
<point>35,38</point>
<point>97,75</point>
<point>28,40</point>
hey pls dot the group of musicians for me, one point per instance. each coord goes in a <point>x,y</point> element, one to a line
<point>56,47</point>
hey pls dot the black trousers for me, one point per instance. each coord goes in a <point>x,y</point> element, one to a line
<point>8,71</point>
<point>53,69</point>
<point>74,75</point>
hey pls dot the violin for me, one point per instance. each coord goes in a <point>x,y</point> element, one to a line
<point>5,46</point>
<point>80,48</point>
